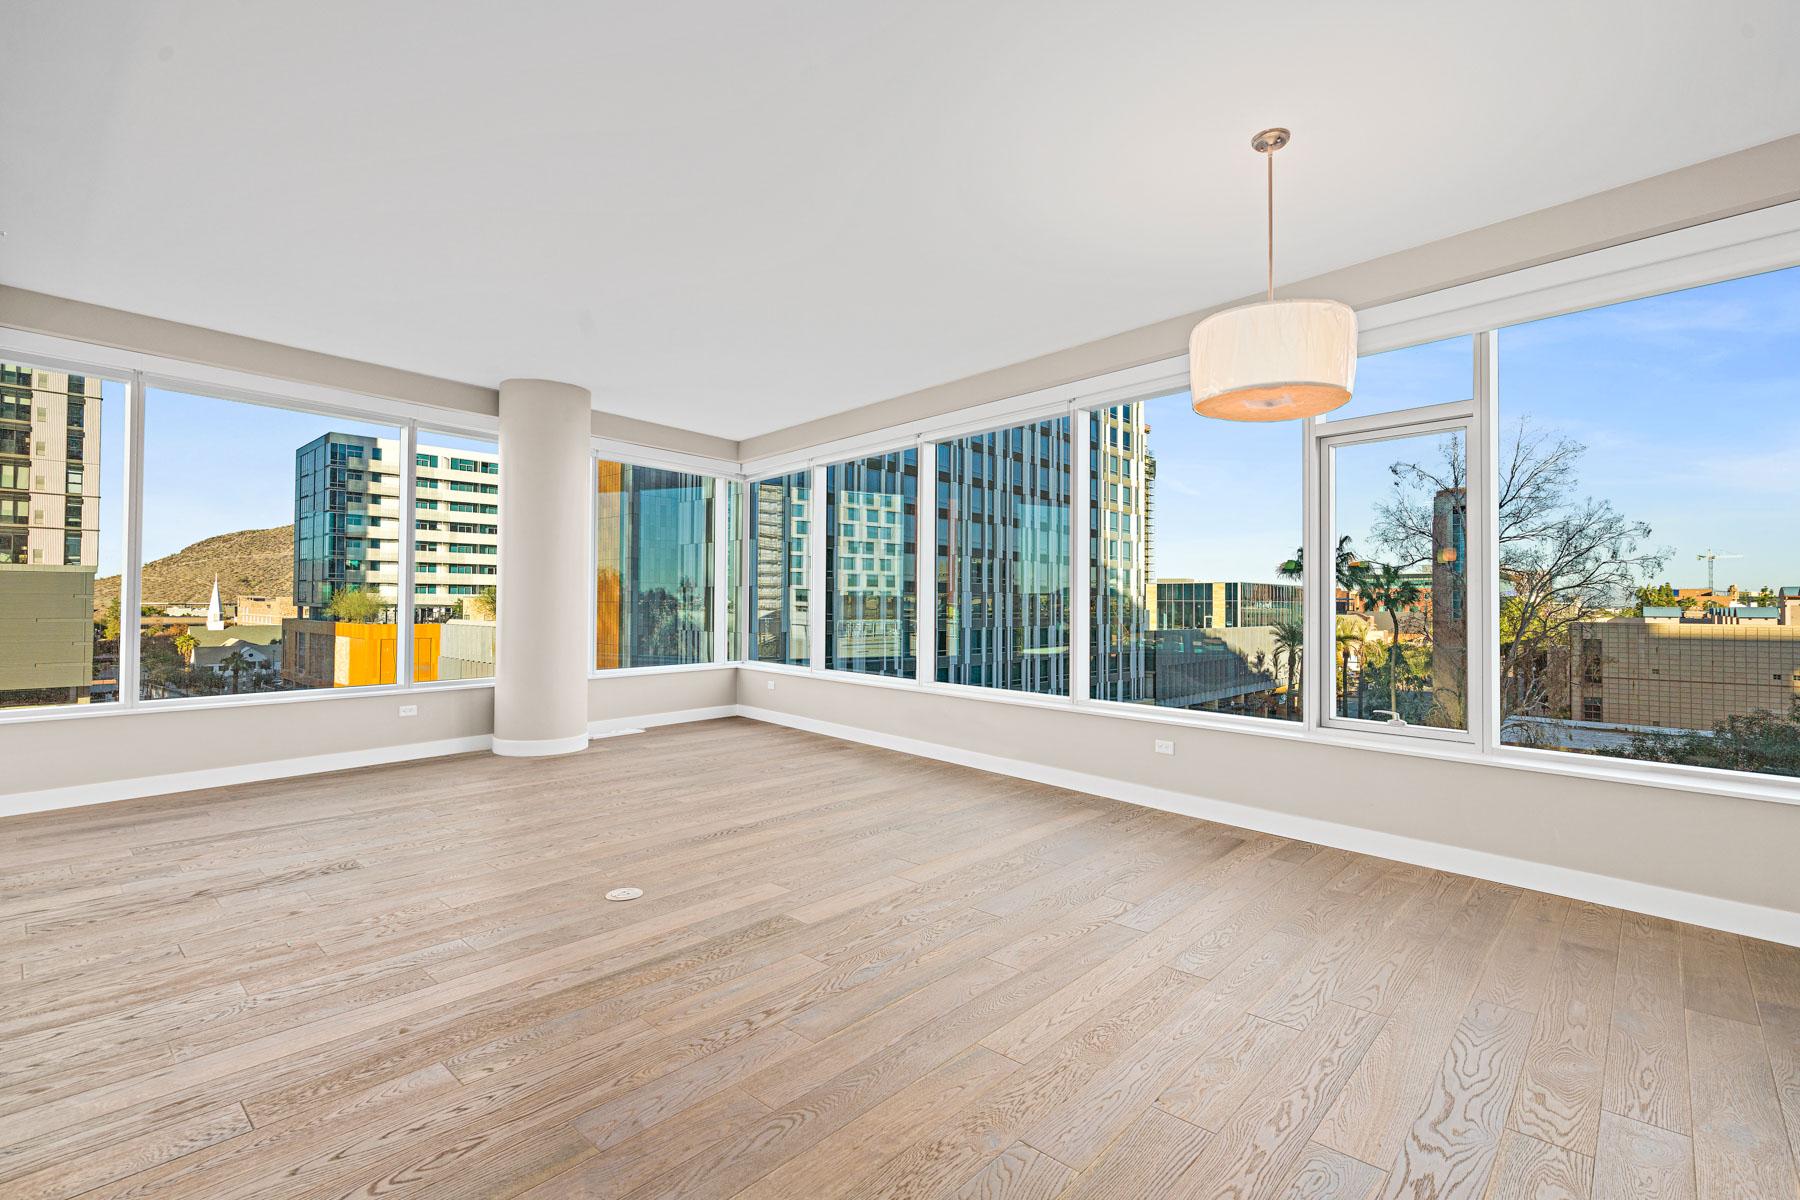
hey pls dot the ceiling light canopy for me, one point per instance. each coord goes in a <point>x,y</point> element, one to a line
<point>1279,359</point>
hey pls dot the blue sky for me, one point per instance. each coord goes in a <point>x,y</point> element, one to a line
<point>1689,405</point>
<point>215,466</point>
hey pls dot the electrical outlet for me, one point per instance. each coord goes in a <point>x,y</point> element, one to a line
<point>409,710</point>
<point>771,685</point>
<point>1163,747</point>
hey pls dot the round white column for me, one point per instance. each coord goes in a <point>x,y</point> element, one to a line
<point>541,683</point>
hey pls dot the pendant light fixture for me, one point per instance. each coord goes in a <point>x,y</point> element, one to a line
<point>1278,359</point>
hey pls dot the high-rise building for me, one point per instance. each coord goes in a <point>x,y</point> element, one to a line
<point>655,584</point>
<point>347,535</point>
<point>49,536</point>
<point>1205,604</point>
<point>347,524</point>
<point>870,549</point>
<point>1120,480</point>
<point>1002,558</point>
<point>781,598</point>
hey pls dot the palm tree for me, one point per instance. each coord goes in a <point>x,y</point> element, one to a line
<point>1387,588</point>
<point>1290,637</point>
<point>237,664</point>
<point>1350,570</point>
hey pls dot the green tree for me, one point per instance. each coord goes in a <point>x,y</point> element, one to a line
<point>1290,638</point>
<point>1347,637</point>
<point>1564,557</point>
<point>1659,595</point>
<point>185,642</point>
<point>1760,741</point>
<point>1349,569</point>
<point>357,606</point>
<point>110,621</point>
<point>482,606</point>
<point>237,663</point>
<point>1386,587</point>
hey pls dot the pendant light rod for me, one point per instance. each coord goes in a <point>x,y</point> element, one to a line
<point>1266,144</point>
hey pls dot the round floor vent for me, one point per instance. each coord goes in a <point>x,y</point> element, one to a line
<point>624,893</point>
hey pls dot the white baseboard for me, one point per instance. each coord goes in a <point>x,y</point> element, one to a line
<point>51,799</point>
<point>681,716</point>
<point>212,777</point>
<point>539,747</point>
<point>1732,916</point>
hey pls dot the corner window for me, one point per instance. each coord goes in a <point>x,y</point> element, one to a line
<point>780,603</point>
<point>653,603</point>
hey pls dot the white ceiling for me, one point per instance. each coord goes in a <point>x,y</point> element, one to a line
<point>733,217</point>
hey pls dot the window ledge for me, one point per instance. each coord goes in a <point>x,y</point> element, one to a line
<point>77,712</point>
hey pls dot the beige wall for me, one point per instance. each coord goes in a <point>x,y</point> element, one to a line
<point>59,755</point>
<point>1732,849</point>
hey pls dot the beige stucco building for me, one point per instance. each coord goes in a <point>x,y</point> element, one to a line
<point>49,534</point>
<point>1682,674</point>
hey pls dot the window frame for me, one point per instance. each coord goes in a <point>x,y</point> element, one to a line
<point>723,474</point>
<point>139,373</point>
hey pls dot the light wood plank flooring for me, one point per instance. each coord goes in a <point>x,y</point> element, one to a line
<point>852,974</point>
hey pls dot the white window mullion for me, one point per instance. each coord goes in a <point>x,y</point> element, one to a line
<point>1318,581</point>
<point>1482,535</point>
<point>925,565</point>
<point>721,545</point>
<point>131,586</point>
<point>815,568</point>
<point>403,586</point>
<point>1080,590</point>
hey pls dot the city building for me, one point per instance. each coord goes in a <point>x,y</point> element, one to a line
<point>1202,604</point>
<point>1684,669</point>
<point>264,610</point>
<point>780,591</point>
<point>49,537</point>
<point>1121,483</point>
<point>870,551</point>
<point>654,553</point>
<point>347,539</point>
<point>1002,558</point>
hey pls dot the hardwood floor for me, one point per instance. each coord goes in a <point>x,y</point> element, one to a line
<point>852,974</point>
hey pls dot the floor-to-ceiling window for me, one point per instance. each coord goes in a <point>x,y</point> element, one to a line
<point>780,591</point>
<point>654,562</point>
<point>1002,558</point>
<point>871,518</point>
<point>1649,528</point>
<point>61,536</point>
<point>1193,561</point>
<point>271,548</point>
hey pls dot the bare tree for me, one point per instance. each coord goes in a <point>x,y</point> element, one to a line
<point>1564,557</point>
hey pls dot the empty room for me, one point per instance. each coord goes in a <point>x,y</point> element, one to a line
<point>821,600</point>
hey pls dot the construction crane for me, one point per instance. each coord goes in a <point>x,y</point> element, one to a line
<point>1709,558</point>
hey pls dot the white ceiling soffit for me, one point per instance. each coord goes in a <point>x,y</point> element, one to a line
<point>737,217</point>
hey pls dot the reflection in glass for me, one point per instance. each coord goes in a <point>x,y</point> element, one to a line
<point>60,536</point>
<point>871,518</point>
<point>277,567</point>
<point>1002,558</point>
<point>734,565</point>
<point>456,519</point>
<point>655,567</point>
<point>779,589</point>
<point>1192,569</point>
<point>1400,526</point>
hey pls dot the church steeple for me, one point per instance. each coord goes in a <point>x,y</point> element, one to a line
<point>214,617</point>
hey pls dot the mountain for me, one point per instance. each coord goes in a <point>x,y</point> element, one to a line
<point>255,562</point>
